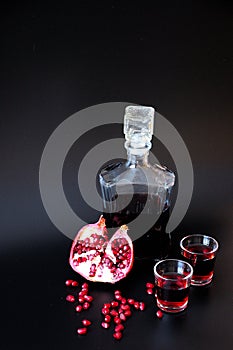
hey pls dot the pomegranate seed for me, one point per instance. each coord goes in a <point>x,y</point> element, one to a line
<point>74,283</point>
<point>107,318</point>
<point>79,308</point>
<point>118,297</point>
<point>105,311</point>
<point>142,306</point>
<point>159,314</point>
<point>131,301</point>
<point>114,303</point>
<point>86,322</point>
<point>150,285</point>
<point>107,306</point>
<point>84,291</point>
<point>117,292</point>
<point>85,286</point>
<point>137,305</point>
<point>149,291</point>
<point>117,320</point>
<point>81,300</point>
<point>88,298</point>
<point>125,307</point>
<point>117,335</point>
<point>123,301</point>
<point>70,298</point>
<point>82,331</point>
<point>86,305</point>
<point>69,282</point>
<point>105,325</point>
<point>120,311</point>
<point>122,317</point>
<point>113,313</point>
<point>119,327</point>
<point>127,313</point>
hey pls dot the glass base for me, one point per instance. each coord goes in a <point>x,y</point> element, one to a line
<point>199,283</point>
<point>171,309</point>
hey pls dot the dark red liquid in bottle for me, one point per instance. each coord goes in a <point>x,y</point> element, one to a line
<point>154,243</point>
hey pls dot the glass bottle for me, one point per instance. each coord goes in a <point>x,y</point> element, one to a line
<point>137,193</point>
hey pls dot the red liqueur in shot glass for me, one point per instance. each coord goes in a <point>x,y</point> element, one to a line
<point>172,282</point>
<point>200,251</point>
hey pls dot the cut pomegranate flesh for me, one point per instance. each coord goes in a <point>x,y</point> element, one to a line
<point>99,259</point>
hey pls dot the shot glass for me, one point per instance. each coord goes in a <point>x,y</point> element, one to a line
<point>172,283</point>
<point>200,251</point>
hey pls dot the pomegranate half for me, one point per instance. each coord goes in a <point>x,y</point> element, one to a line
<point>99,259</point>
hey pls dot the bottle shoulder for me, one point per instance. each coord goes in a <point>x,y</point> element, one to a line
<point>156,175</point>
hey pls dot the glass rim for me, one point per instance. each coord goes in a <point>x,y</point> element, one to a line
<point>186,277</point>
<point>202,236</point>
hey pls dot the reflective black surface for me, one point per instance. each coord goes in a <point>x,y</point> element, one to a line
<point>55,61</point>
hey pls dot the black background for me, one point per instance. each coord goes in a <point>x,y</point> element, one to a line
<point>57,60</point>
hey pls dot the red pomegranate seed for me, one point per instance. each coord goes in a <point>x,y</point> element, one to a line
<point>117,335</point>
<point>117,320</point>
<point>142,306</point>
<point>107,318</point>
<point>117,292</point>
<point>150,285</point>
<point>107,306</point>
<point>114,303</point>
<point>113,313</point>
<point>137,305</point>
<point>84,291</point>
<point>159,314</point>
<point>70,298</point>
<point>119,327</point>
<point>86,322</point>
<point>127,313</point>
<point>81,300</point>
<point>82,331</point>
<point>88,298</point>
<point>78,308</point>
<point>69,282</point>
<point>105,311</point>
<point>105,325</point>
<point>123,301</point>
<point>86,305</point>
<point>85,286</point>
<point>118,297</point>
<point>122,317</point>
<point>125,307</point>
<point>74,283</point>
<point>131,301</point>
<point>149,291</point>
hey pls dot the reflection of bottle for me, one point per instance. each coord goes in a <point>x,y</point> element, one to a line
<point>137,193</point>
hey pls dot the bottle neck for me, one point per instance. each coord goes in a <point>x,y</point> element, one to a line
<point>137,156</point>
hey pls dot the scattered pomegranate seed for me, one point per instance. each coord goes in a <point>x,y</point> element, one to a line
<point>114,303</point>
<point>107,318</point>
<point>150,285</point>
<point>69,282</point>
<point>127,313</point>
<point>70,298</point>
<point>81,300</point>
<point>118,297</point>
<point>78,308</point>
<point>74,283</point>
<point>125,307</point>
<point>159,314</point>
<point>142,306</point>
<point>123,301</point>
<point>105,325</point>
<point>149,291</point>
<point>113,313</point>
<point>117,292</point>
<point>105,311</point>
<point>137,305</point>
<point>85,286</point>
<point>123,317</point>
<point>88,298</point>
<point>117,335</point>
<point>107,305</point>
<point>86,305</point>
<point>131,301</point>
<point>86,322</point>
<point>117,320</point>
<point>82,331</point>
<point>119,327</point>
<point>84,291</point>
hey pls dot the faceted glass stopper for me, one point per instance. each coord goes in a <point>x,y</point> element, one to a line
<point>138,125</point>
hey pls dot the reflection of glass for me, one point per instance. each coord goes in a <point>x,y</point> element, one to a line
<point>200,251</point>
<point>172,284</point>
<point>137,193</point>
